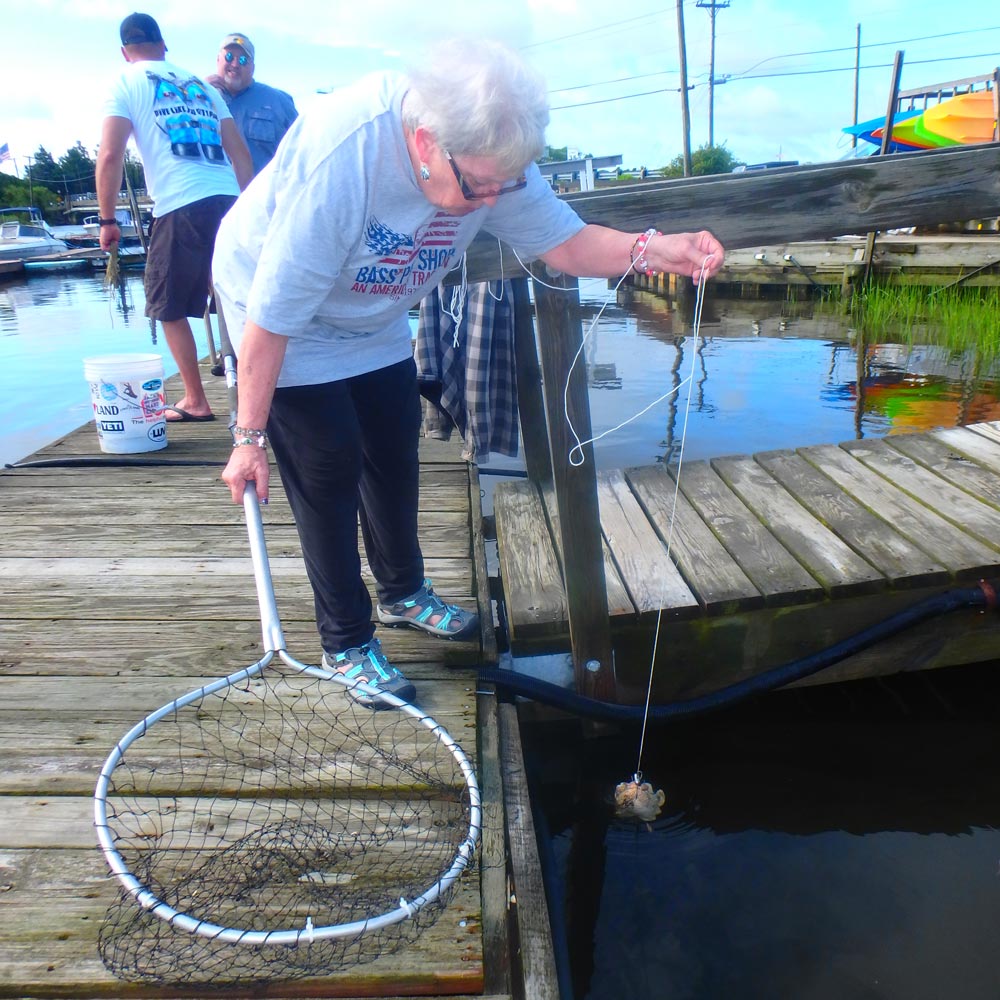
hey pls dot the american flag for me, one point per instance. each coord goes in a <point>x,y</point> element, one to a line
<point>4,152</point>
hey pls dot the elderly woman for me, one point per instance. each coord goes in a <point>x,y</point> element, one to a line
<point>373,196</point>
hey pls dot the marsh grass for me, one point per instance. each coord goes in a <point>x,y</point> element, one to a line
<point>962,320</point>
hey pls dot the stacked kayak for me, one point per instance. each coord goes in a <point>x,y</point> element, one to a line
<point>963,120</point>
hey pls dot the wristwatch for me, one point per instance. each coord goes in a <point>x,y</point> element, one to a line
<point>107,222</point>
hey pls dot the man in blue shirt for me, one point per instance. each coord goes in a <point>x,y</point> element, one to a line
<point>262,113</point>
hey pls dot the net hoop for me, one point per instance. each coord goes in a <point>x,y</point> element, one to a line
<point>307,934</point>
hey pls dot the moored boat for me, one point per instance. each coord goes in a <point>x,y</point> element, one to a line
<point>22,240</point>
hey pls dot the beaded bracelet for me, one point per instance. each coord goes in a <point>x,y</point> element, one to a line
<point>638,252</point>
<point>249,435</point>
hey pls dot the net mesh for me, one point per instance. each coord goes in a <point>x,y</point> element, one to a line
<point>278,804</point>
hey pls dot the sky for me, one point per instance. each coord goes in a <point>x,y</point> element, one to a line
<point>784,69</point>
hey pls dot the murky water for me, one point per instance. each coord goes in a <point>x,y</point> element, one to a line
<point>838,843</point>
<point>830,844</point>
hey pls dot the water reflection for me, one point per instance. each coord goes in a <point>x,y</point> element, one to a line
<point>764,375</point>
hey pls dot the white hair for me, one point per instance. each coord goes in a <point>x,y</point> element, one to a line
<point>479,98</point>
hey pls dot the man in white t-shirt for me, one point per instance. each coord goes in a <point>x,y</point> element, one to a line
<point>196,163</point>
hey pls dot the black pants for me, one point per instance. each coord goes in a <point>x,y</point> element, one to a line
<point>345,449</point>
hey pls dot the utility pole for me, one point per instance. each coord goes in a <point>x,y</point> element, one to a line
<point>685,110</point>
<point>857,79</point>
<point>713,6</point>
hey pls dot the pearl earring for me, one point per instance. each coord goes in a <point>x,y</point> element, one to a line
<point>425,172</point>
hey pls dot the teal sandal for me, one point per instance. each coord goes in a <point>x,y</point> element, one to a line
<point>418,610</point>
<point>367,665</point>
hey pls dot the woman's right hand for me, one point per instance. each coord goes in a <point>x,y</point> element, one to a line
<point>247,464</point>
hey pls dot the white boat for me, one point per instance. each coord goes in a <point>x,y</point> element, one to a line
<point>24,240</point>
<point>126,226</point>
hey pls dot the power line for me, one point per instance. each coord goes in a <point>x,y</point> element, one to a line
<point>591,31</point>
<point>771,76</point>
<point>789,55</point>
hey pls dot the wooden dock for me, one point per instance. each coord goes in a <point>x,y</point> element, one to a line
<point>125,587</point>
<point>771,557</point>
<point>931,260</point>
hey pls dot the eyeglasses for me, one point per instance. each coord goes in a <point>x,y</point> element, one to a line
<point>242,60</point>
<point>470,194</point>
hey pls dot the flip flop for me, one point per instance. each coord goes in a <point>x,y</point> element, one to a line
<point>186,417</point>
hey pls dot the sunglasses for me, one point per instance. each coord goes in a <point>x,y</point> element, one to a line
<point>471,194</point>
<point>242,60</point>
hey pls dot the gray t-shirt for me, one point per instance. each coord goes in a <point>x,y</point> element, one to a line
<point>333,242</point>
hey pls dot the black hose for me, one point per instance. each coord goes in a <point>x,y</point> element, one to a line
<point>982,595</point>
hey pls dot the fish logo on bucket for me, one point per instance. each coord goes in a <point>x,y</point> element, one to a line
<point>109,390</point>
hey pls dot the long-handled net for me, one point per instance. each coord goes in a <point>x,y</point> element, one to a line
<point>265,826</point>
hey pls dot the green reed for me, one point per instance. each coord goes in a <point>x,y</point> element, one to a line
<point>964,320</point>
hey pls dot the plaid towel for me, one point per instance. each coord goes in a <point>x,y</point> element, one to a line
<point>473,367</point>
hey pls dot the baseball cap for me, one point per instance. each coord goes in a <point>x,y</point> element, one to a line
<point>139,28</point>
<point>236,38</point>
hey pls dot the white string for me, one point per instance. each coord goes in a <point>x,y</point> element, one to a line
<point>579,445</point>
<point>455,308</point>
<point>489,290</point>
<point>699,304</point>
<point>555,288</point>
<point>576,456</point>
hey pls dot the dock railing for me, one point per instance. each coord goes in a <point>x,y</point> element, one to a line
<point>818,201</point>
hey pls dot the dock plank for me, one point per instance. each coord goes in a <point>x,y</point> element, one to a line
<point>716,579</point>
<point>790,552</point>
<point>936,535</point>
<point>57,899</point>
<point>971,516</point>
<point>774,571</point>
<point>529,567</point>
<point>651,577</point>
<point>951,465</point>
<point>902,563</point>
<point>990,429</point>
<point>975,444</point>
<point>830,560</point>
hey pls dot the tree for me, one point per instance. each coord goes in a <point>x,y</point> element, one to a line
<point>78,170</point>
<point>705,160</point>
<point>19,192</point>
<point>134,171</point>
<point>45,170</point>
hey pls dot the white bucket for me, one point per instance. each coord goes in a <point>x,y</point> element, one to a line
<point>126,391</point>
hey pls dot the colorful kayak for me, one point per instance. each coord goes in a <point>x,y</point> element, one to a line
<point>965,119</point>
<point>871,131</point>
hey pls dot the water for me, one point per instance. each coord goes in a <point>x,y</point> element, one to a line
<point>48,324</point>
<point>838,843</point>
<point>833,844</point>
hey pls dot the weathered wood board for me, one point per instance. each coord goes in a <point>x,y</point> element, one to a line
<point>124,586</point>
<point>788,552</point>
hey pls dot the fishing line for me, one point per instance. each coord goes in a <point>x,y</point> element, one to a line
<point>576,457</point>
<point>695,336</point>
